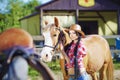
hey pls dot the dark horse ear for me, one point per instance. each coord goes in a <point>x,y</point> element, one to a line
<point>56,22</point>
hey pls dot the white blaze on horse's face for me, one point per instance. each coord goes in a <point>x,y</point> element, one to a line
<point>50,36</point>
<point>46,53</point>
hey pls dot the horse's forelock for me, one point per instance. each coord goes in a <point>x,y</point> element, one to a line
<point>48,27</point>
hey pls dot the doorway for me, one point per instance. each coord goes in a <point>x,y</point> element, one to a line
<point>89,27</point>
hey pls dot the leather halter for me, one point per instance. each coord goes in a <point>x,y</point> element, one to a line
<point>59,36</point>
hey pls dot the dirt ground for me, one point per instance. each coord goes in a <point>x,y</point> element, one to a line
<point>117,75</point>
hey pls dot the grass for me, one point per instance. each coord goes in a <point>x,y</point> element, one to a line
<point>116,65</point>
<point>32,72</point>
<point>55,67</point>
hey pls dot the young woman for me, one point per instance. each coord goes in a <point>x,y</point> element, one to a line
<point>75,52</point>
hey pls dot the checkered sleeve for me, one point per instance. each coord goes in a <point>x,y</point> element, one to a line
<point>81,49</point>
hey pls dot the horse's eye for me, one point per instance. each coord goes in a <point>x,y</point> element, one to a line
<point>54,35</point>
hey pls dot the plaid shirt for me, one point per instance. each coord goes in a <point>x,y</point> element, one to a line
<point>81,52</point>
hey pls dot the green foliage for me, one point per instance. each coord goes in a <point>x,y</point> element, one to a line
<point>2,26</point>
<point>54,66</point>
<point>32,72</point>
<point>15,13</point>
<point>17,9</point>
<point>2,16</point>
<point>111,41</point>
<point>116,64</point>
<point>30,7</point>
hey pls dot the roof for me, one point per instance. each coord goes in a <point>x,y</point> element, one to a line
<point>33,14</point>
<point>73,5</point>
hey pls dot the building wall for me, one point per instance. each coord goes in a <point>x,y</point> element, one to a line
<point>64,21</point>
<point>31,24</point>
<point>24,24</point>
<point>111,18</point>
<point>104,28</point>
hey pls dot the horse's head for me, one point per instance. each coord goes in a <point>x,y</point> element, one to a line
<point>53,34</point>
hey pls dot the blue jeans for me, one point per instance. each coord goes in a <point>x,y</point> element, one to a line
<point>84,76</point>
<point>18,69</point>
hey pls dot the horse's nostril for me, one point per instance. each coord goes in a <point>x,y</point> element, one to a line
<point>46,55</point>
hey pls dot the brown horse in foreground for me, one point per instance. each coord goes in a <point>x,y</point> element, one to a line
<point>15,37</point>
<point>18,37</point>
<point>98,58</point>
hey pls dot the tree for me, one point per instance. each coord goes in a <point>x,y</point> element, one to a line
<point>30,7</point>
<point>18,9</point>
<point>15,12</point>
<point>2,24</point>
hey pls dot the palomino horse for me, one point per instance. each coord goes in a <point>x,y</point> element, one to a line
<point>18,42</point>
<point>98,58</point>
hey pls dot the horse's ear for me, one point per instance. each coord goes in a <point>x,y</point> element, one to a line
<point>46,22</point>
<point>56,22</point>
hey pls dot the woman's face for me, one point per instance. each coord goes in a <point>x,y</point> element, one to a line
<point>73,35</point>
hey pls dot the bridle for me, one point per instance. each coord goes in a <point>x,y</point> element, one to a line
<point>59,40</point>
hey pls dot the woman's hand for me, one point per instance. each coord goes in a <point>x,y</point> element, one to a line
<point>71,71</point>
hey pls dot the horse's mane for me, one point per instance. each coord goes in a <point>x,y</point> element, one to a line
<point>14,37</point>
<point>65,37</point>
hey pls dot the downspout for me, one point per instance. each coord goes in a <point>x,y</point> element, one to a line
<point>118,20</point>
<point>41,16</point>
<point>76,16</point>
